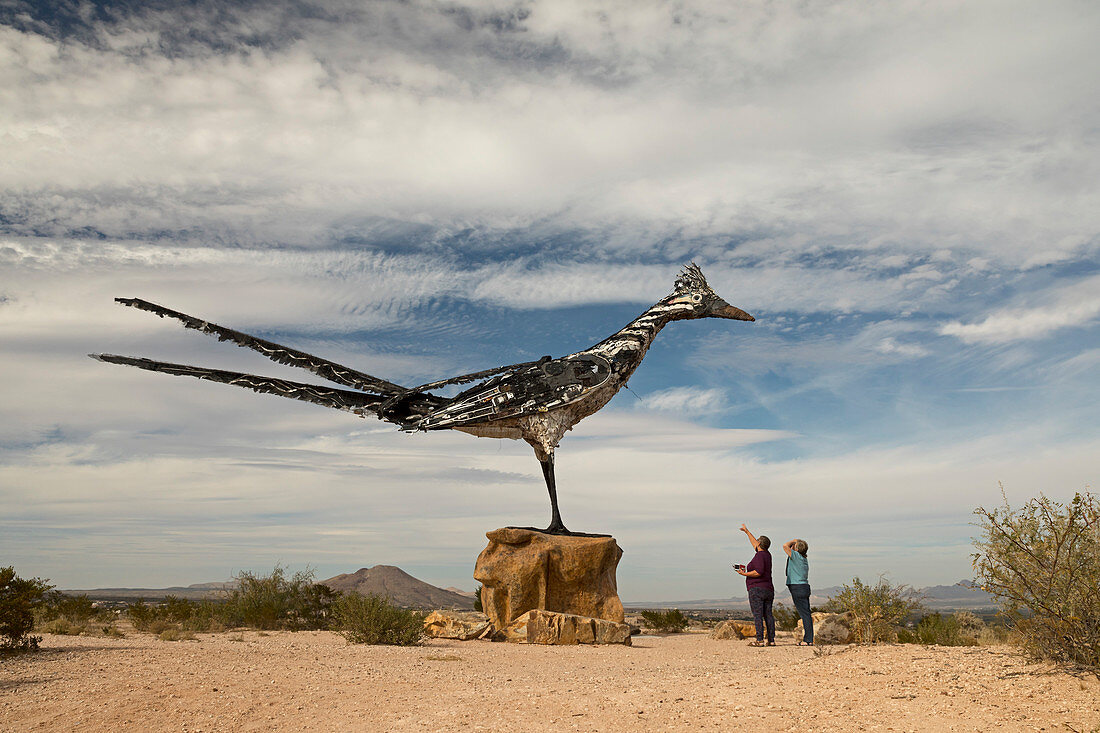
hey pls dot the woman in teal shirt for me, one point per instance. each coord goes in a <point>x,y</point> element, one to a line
<point>798,582</point>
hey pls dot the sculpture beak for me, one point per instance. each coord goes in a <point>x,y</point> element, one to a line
<point>721,309</point>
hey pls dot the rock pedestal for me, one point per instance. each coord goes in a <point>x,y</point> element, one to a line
<point>523,570</point>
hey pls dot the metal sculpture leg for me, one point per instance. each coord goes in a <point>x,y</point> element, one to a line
<point>556,525</point>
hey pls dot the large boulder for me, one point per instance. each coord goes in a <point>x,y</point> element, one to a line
<point>733,629</point>
<point>550,628</point>
<point>523,570</point>
<point>829,628</point>
<point>461,626</point>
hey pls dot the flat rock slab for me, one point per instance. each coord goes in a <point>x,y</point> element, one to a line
<point>463,627</point>
<point>552,629</point>
<point>734,629</point>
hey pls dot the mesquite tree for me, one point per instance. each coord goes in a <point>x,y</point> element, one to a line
<point>1042,562</point>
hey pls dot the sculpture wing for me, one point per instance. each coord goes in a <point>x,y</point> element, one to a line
<point>276,352</point>
<point>528,389</point>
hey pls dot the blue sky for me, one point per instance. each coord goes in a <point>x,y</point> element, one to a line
<point>904,195</point>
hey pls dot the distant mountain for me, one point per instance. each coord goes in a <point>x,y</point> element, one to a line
<point>193,592</point>
<point>467,593</point>
<point>399,586</point>
<point>964,595</point>
<point>385,580</point>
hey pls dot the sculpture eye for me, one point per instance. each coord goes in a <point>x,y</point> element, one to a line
<point>697,298</point>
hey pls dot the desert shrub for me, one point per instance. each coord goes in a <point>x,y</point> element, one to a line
<point>77,609</point>
<point>786,619</point>
<point>205,616</point>
<point>906,636</point>
<point>935,628</point>
<point>477,599</point>
<point>141,614</point>
<point>277,602</point>
<point>374,619</point>
<point>969,623</point>
<point>18,599</point>
<point>313,607</point>
<point>994,634</point>
<point>1042,563</point>
<point>670,622</point>
<point>174,609</point>
<point>159,625</point>
<point>113,631</point>
<point>876,609</point>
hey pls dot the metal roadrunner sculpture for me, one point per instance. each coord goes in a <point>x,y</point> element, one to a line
<point>537,401</point>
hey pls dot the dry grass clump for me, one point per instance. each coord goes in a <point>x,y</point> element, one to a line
<point>175,633</point>
<point>63,627</point>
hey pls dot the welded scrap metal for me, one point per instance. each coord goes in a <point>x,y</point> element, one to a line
<point>536,401</point>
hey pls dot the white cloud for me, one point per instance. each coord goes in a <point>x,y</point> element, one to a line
<point>865,126</point>
<point>1072,306</point>
<point>687,400</point>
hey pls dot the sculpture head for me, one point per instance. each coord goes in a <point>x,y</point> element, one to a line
<point>692,298</point>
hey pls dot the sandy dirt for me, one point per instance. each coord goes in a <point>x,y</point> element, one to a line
<point>316,681</point>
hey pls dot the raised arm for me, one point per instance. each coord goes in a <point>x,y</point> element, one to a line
<point>752,540</point>
<point>788,547</point>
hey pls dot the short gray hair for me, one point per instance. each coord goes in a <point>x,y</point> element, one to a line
<point>801,547</point>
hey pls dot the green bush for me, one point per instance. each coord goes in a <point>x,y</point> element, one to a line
<point>906,636</point>
<point>177,610</point>
<point>141,614</point>
<point>876,610</point>
<point>1042,562</point>
<point>277,602</point>
<point>272,601</point>
<point>18,599</point>
<point>936,628</point>
<point>669,622</point>
<point>477,599</point>
<point>786,619</point>
<point>374,619</point>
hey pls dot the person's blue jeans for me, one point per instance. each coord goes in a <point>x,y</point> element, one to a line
<point>800,594</point>
<point>760,601</point>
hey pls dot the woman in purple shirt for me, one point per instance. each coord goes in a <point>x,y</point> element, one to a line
<point>758,580</point>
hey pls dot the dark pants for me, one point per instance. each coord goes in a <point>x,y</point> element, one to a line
<point>760,601</point>
<point>800,594</point>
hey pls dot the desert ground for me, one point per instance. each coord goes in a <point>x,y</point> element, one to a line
<point>250,681</point>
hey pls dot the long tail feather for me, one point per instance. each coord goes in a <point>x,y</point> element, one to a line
<point>340,399</point>
<point>276,352</point>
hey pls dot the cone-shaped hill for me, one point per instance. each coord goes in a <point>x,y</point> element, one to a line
<point>400,587</point>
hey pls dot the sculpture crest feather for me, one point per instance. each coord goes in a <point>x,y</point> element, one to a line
<point>690,279</point>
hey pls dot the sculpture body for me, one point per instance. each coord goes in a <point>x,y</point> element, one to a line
<point>537,401</point>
